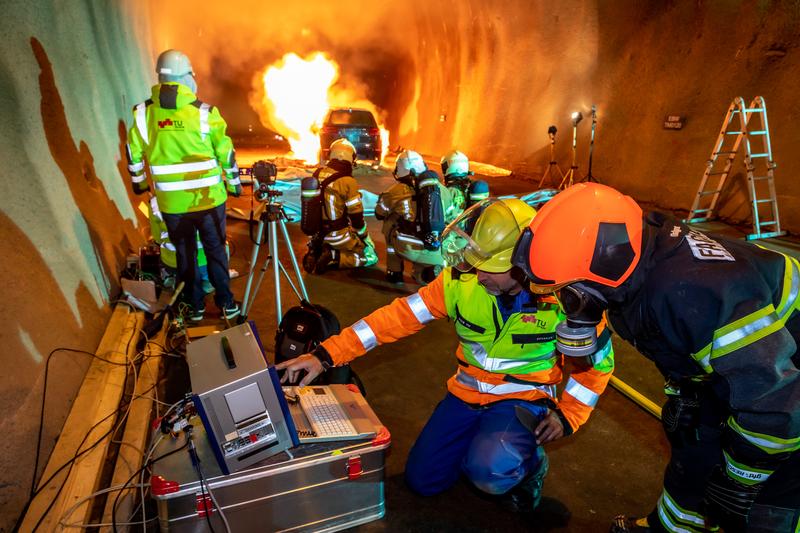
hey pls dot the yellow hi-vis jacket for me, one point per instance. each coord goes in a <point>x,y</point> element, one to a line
<point>497,360</point>
<point>184,142</point>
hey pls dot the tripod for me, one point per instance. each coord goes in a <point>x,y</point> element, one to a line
<point>589,176</point>
<point>551,132</point>
<point>273,216</point>
<point>569,177</point>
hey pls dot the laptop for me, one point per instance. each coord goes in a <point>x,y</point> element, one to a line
<point>325,413</point>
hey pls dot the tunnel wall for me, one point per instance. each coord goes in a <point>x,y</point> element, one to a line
<point>507,71</point>
<point>69,74</point>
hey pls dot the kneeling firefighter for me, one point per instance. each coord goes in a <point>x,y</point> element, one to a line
<point>464,191</point>
<point>413,217</point>
<point>509,363</point>
<point>333,215</point>
<point>720,320</point>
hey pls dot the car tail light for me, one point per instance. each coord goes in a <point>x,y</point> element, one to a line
<point>328,129</point>
<point>374,131</point>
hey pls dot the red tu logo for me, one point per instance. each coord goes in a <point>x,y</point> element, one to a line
<point>163,123</point>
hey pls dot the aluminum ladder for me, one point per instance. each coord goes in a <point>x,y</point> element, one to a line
<point>753,128</point>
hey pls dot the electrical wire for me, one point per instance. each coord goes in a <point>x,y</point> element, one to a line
<point>149,463</point>
<point>78,453</point>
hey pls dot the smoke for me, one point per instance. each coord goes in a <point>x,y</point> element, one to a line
<point>485,76</point>
<point>231,45</point>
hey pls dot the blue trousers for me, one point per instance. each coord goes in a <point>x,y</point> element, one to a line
<point>488,445</point>
<point>183,230</point>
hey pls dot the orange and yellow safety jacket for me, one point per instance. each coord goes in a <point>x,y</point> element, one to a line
<point>498,359</point>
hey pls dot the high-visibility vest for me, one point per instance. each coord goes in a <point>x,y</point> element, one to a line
<point>523,344</point>
<point>184,142</point>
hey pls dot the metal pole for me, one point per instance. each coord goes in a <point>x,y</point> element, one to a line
<point>589,176</point>
<point>273,245</point>
<point>246,303</point>
<point>294,260</point>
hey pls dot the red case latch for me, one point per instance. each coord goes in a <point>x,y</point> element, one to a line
<point>204,504</point>
<point>160,486</point>
<point>354,468</point>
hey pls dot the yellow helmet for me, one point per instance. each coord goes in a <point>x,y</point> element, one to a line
<point>484,236</point>
<point>343,150</point>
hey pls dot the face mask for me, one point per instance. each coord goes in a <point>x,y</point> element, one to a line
<point>584,307</point>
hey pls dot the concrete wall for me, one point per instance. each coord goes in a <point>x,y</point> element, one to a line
<point>511,69</point>
<point>69,74</point>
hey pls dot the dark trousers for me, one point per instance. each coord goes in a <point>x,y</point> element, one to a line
<point>183,230</point>
<point>694,455</point>
<point>490,446</point>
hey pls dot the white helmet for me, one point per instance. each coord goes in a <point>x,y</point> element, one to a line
<point>455,163</point>
<point>409,162</point>
<point>174,64</point>
<point>343,150</point>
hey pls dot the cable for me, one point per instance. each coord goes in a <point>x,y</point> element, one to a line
<point>124,485</point>
<point>34,492</point>
<point>75,457</point>
<point>196,463</point>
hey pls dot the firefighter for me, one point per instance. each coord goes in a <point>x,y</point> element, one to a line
<point>719,319</point>
<point>464,191</point>
<point>402,219</point>
<point>184,142</point>
<point>508,363</point>
<point>346,242</point>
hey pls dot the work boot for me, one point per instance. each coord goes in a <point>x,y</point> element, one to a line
<point>394,277</point>
<point>231,311</point>
<point>310,262</point>
<point>325,261</point>
<point>627,524</point>
<point>525,497</point>
<point>196,313</point>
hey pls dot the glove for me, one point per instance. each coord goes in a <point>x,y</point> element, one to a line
<point>235,191</point>
<point>679,416</point>
<point>141,187</point>
<point>431,241</point>
<point>727,501</point>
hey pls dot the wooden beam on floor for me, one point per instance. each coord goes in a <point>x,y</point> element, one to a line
<point>91,420</point>
<point>134,441</point>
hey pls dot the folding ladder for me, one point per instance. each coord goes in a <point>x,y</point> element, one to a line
<point>759,165</point>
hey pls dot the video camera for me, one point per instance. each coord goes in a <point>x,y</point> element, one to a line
<point>264,174</point>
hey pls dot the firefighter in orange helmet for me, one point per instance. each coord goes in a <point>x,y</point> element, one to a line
<point>719,319</point>
<point>509,363</point>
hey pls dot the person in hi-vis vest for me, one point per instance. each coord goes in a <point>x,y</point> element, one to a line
<point>192,163</point>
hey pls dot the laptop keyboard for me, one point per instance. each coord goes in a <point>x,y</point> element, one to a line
<point>325,414</point>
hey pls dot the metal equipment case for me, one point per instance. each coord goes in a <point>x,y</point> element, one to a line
<point>313,487</point>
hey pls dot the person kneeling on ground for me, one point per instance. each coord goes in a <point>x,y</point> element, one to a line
<point>341,240</point>
<point>508,363</point>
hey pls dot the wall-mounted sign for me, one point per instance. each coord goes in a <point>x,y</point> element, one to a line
<point>673,122</point>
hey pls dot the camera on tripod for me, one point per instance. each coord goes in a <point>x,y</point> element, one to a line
<point>265,175</point>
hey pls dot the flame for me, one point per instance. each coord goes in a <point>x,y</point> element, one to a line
<point>297,93</point>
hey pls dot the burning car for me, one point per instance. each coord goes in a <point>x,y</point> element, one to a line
<point>357,126</point>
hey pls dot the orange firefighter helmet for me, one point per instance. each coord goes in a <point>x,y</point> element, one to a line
<point>587,232</point>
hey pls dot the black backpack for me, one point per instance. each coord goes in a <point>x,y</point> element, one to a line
<point>301,330</point>
<point>430,214</point>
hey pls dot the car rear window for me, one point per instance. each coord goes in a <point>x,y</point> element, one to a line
<point>351,117</point>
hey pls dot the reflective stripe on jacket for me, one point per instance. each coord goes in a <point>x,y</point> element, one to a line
<point>184,141</point>
<point>726,310</point>
<point>497,361</point>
